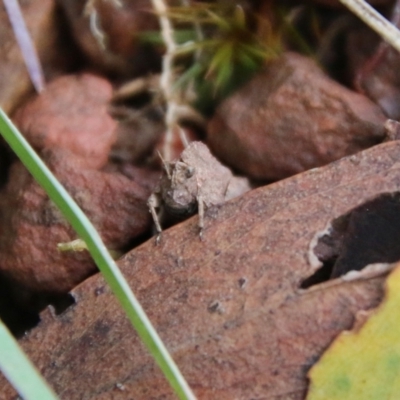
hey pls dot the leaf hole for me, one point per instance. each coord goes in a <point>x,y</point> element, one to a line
<point>62,302</point>
<point>368,234</point>
<point>20,308</point>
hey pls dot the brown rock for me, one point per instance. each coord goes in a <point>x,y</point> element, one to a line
<point>71,113</point>
<point>145,177</point>
<point>229,308</point>
<point>32,226</point>
<point>43,23</point>
<point>123,52</point>
<point>290,118</point>
<point>336,4</point>
<point>137,133</point>
<point>378,76</point>
<point>360,45</point>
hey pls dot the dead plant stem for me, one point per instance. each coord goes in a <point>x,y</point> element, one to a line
<point>167,75</point>
<point>375,21</point>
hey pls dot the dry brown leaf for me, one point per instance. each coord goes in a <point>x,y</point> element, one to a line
<point>229,308</point>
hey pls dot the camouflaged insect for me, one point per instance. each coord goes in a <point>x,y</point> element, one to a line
<point>194,182</point>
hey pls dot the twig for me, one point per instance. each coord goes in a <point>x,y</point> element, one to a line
<point>95,23</point>
<point>197,29</point>
<point>167,76</point>
<point>375,21</point>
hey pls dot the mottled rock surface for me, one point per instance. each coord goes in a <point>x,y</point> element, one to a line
<point>289,118</point>
<point>31,226</point>
<point>71,113</point>
<point>114,45</point>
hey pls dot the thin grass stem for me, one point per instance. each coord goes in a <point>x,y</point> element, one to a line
<point>19,370</point>
<point>100,254</point>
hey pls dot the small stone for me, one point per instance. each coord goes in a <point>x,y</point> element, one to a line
<point>378,78</point>
<point>118,22</point>
<point>336,4</point>
<point>32,226</point>
<point>71,113</point>
<point>290,118</point>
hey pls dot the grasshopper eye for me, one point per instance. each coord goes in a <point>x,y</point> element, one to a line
<point>189,172</point>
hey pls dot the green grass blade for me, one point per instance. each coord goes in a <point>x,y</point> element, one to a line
<point>101,256</point>
<point>19,371</point>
